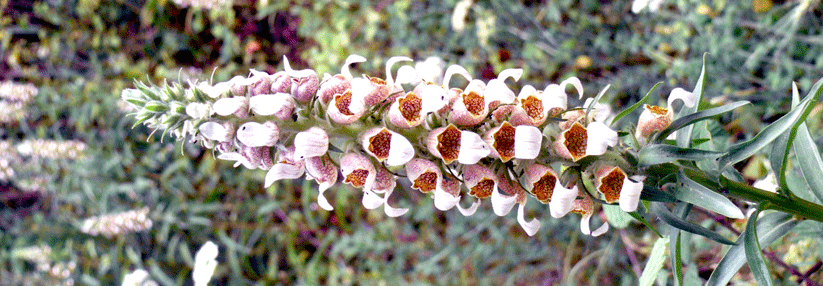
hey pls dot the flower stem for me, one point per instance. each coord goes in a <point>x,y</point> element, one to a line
<point>792,205</point>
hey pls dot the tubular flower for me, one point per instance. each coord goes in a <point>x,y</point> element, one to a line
<point>447,196</point>
<point>346,108</point>
<point>305,83</point>
<point>385,183</point>
<point>615,185</point>
<point>562,200</point>
<point>518,196</point>
<point>220,132</point>
<point>286,167</point>
<point>407,111</point>
<point>471,106</point>
<point>254,134</point>
<point>450,144</point>
<point>423,175</point>
<point>375,90</point>
<point>260,83</point>
<point>497,91</point>
<point>388,146</point>
<point>480,180</point>
<point>281,82</point>
<point>340,83</point>
<point>311,143</point>
<point>237,106</point>
<point>281,105</point>
<point>577,141</point>
<point>585,207</point>
<point>357,171</point>
<point>541,181</point>
<point>507,141</point>
<point>324,172</point>
<point>656,118</point>
<point>205,261</point>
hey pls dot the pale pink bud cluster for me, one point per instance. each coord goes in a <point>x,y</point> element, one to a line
<point>13,100</point>
<point>117,223</point>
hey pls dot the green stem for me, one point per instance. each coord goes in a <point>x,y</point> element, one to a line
<point>792,205</point>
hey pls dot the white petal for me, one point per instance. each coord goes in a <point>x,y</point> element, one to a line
<point>407,75</point>
<point>350,60</point>
<point>214,131</point>
<point>472,148</point>
<point>501,204</point>
<point>527,142</point>
<point>433,97</point>
<point>600,137</point>
<point>586,229</point>
<point>526,91</point>
<point>471,210</point>
<point>510,73</point>
<point>401,150</point>
<point>268,104</point>
<point>296,74</point>
<point>135,278</point>
<point>283,171</point>
<point>254,134</point>
<point>392,211</point>
<point>688,98</point>
<point>205,261</point>
<point>562,200</point>
<point>238,158</point>
<point>321,200</point>
<point>311,143</point>
<point>497,90</point>
<point>638,5</point>
<point>630,195</point>
<point>371,200</point>
<point>554,96</point>
<point>574,81</point>
<point>443,200</point>
<point>455,69</point>
<point>530,227</point>
<point>390,63</point>
<point>601,111</point>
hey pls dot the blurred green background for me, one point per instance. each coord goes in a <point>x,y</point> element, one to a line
<point>79,55</point>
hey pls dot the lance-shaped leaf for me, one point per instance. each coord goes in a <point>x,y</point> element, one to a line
<point>753,254</point>
<point>663,153</point>
<point>686,121</point>
<point>684,137</point>
<point>744,150</point>
<point>655,263</point>
<point>781,147</point>
<point>701,196</point>
<point>770,227</point>
<point>667,216</point>
<point>629,110</point>
<point>809,160</point>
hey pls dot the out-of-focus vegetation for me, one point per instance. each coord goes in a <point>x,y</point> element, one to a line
<point>81,54</point>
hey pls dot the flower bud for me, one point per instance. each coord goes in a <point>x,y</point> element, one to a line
<point>313,142</point>
<point>304,83</point>
<point>237,106</point>
<point>287,167</point>
<point>281,105</point>
<point>281,82</point>
<point>260,83</point>
<point>220,132</point>
<point>656,118</point>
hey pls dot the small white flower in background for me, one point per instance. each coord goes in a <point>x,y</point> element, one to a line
<point>137,278</point>
<point>118,223</point>
<point>205,261</point>
<point>768,183</point>
<point>653,5</point>
<point>459,14</point>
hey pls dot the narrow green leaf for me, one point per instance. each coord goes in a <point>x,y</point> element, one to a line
<point>637,105</point>
<point>663,153</point>
<point>809,160</point>
<point>667,216</point>
<point>684,138</point>
<point>642,220</point>
<point>781,147</point>
<point>677,263</point>
<point>702,196</point>
<point>597,99</point>
<point>617,217</point>
<point>771,227</point>
<point>686,121</point>
<point>655,263</point>
<point>753,254</point>
<point>156,106</point>
<point>744,150</point>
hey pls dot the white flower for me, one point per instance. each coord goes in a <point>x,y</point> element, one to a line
<point>656,118</point>
<point>472,148</point>
<point>371,201</point>
<point>496,89</point>
<point>577,141</point>
<point>653,5</point>
<point>769,183</point>
<point>501,204</point>
<point>216,131</point>
<point>205,261</point>
<point>254,134</point>
<point>279,104</point>
<point>311,143</point>
<point>135,278</point>
<point>285,168</point>
<point>389,146</point>
<point>231,105</point>
<point>527,142</point>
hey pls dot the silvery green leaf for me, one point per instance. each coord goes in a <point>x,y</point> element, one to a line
<point>753,254</point>
<point>699,195</point>
<point>655,263</point>
<point>684,137</point>
<point>667,216</point>
<point>663,153</point>
<point>685,122</point>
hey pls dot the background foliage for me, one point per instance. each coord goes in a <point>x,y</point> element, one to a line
<point>80,54</point>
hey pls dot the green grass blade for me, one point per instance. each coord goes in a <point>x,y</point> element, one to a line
<point>684,138</point>
<point>631,108</point>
